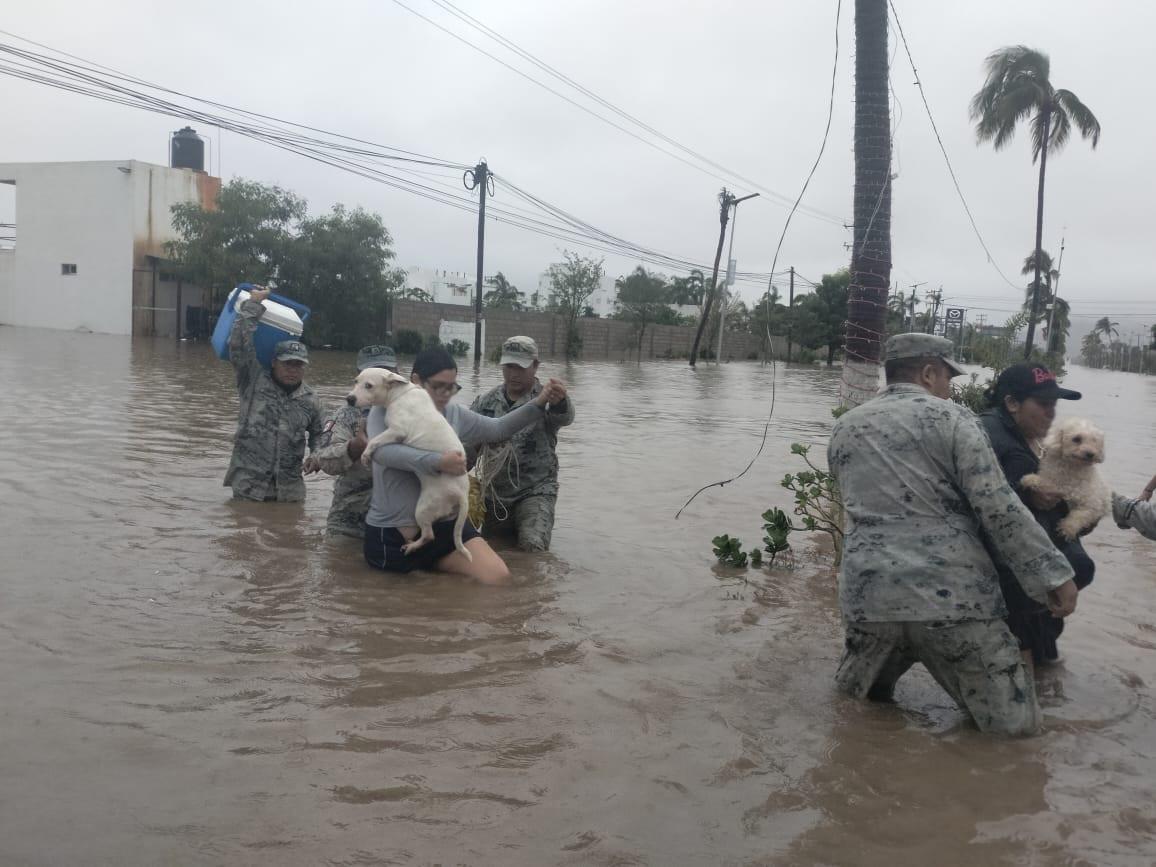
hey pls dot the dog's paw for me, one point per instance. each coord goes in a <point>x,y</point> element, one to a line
<point>367,457</point>
<point>1068,530</point>
<point>1031,480</point>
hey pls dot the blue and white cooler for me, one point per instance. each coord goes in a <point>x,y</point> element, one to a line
<point>284,319</point>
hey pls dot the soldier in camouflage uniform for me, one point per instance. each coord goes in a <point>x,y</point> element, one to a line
<point>526,488</point>
<point>277,412</point>
<point>342,442</point>
<point>920,484</point>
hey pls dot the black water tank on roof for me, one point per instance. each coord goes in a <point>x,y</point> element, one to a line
<point>187,150</point>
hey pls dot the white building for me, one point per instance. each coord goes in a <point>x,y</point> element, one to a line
<point>89,246</point>
<point>444,287</point>
<point>604,301</point>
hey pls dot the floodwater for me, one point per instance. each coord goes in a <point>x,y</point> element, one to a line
<point>189,681</point>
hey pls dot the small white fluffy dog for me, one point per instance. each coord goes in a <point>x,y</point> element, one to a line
<point>1072,449</point>
<point>415,421</point>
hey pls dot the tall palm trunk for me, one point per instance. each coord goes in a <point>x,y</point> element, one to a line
<point>871,250</point>
<point>1039,237</point>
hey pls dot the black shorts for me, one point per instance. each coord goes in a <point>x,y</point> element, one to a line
<point>383,547</point>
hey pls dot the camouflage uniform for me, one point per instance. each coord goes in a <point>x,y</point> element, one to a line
<point>352,489</point>
<point>920,484</point>
<point>1138,515</point>
<point>272,426</point>
<point>528,485</point>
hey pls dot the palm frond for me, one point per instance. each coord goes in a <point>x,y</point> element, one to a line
<point>1080,115</point>
<point>1061,129</point>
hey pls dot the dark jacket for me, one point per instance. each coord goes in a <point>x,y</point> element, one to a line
<point>1031,623</point>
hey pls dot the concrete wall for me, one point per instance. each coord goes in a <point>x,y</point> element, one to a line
<point>601,338</point>
<point>75,213</point>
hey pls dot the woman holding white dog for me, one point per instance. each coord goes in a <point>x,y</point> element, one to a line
<point>391,521</point>
<point>1023,406</point>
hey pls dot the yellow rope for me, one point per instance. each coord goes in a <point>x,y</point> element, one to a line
<point>477,503</point>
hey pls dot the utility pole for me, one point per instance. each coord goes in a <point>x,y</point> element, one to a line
<point>725,199</point>
<point>481,179</point>
<point>914,286</point>
<point>722,310</point>
<point>934,295</point>
<point>791,315</point>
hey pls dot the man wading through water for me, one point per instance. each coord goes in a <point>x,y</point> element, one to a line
<point>919,481</point>
<point>277,411</point>
<point>525,488</point>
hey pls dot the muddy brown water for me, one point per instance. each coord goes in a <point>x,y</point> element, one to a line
<point>190,681</point>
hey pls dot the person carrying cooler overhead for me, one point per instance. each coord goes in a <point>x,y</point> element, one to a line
<point>278,413</point>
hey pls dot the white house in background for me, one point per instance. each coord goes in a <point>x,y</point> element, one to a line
<point>444,287</point>
<point>604,301</point>
<point>89,246</point>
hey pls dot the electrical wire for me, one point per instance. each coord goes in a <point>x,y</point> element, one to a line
<point>943,149</point>
<point>84,80</point>
<point>477,25</point>
<point>774,261</point>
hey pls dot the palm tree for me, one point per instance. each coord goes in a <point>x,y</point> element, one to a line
<point>1104,325</point>
<point>1018,88</point>
<point>871,238</point>
<point>504,295</point>
<point>1049,278</point>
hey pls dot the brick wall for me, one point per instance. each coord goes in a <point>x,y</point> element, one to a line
<point>601,338</point>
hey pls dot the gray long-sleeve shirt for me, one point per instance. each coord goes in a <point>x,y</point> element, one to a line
<point>918,481</point>
<point>396,486</point>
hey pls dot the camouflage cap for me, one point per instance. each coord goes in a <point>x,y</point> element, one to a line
<point>916,345</point>
<point>522,351</point>
<point>290,350</point>
<point>377,355</point>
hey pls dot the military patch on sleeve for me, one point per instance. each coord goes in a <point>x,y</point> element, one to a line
<point>329,426</point>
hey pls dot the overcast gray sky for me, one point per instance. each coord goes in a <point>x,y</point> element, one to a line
<point>744,83</point>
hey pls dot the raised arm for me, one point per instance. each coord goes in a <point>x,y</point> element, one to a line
<point>242,353</point>
<point>474,429</point>
<point>1014,533</point>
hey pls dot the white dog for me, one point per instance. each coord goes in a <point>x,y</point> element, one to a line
<point>414,420</point>
<point>1068,468</point>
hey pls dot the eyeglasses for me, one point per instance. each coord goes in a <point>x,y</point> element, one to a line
<point>450,388</point>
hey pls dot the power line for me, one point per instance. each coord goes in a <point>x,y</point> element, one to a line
<point>943,150</point>
<point>730,177</point>
<point>82,80</point>
<point>585,91</point>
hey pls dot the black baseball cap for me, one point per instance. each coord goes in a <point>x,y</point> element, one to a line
<point>1025,380</point>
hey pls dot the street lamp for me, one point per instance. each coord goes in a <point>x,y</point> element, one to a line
<point>722,308</point>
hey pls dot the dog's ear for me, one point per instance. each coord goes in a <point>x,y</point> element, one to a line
<point>392,380</point>
<point>1055,437</point>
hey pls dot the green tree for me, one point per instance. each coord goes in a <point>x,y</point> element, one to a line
<point>820,316</point>
<point>689,289</point>
<point>339,264</point>
<point>1104,325</point>
<point>642,298</point>
<point>1092,349</point>
<point>243,239</point>
<point>504,295</point>
<point>1018,88</point>
<point>413,293</point>
<point>1055,336</point>
<point>897,310</point>
<point>572,282</point>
